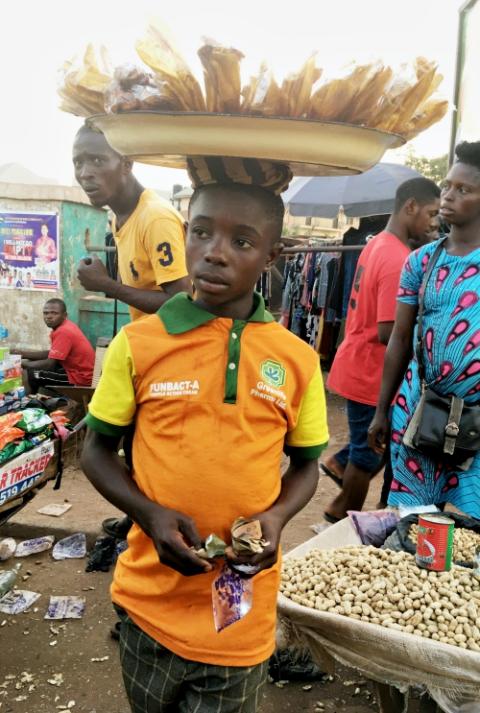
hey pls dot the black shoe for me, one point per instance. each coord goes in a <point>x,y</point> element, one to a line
<point>117,528</point>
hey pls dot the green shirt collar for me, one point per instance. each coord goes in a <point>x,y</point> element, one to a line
<point>181,314</point>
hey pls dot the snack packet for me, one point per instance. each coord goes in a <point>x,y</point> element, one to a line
<point>157,49</point>
<point>221,69</point>
<point>133,89</point>
<point>232,594</point>
<point>8,435</point>
<point>34,420</point>
<point>232,597</point>
<point>14,449</point>
<point>262,96</point>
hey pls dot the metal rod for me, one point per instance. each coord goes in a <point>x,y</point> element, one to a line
<point>101,248</point>
<point>286,251</point>
<point>322,249</point>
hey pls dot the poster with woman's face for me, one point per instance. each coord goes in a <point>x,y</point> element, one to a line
<point>29,251</point>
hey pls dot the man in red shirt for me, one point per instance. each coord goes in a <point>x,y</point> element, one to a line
<point>357,368</point>
<point>70,359</point>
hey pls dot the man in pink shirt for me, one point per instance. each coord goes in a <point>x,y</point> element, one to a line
<point>357,368</point>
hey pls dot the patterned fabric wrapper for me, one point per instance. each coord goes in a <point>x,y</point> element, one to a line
<point>208,170</point>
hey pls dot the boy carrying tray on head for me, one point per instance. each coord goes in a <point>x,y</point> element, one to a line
<point>218,390</point>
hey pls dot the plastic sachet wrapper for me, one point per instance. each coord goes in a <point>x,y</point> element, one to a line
<point>158,50</point>
<point>221,70</point>
<point>9,435</point>
<point>232,594</point>
<point>34,546</point>
<point>9,429</point>
<point>262,96</point>
<point>62,607</point>
<point>18,601</point>
<point>34,420</point>
<point>71,547</point>
<point>232,597</point>
<point>134,89</point>
<point>373,527</point>
<point>14,449</point>
<point>297,88</point>
<point>7,548</point>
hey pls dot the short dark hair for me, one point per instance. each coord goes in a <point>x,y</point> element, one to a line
<point>273,205</point>
<point>469,153</point>
<point>57,301</point>
<point>422,189</point>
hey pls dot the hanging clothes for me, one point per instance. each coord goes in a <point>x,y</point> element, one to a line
<point>308,281</point>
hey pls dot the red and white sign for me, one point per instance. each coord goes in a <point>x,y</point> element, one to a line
<point>21,473</point>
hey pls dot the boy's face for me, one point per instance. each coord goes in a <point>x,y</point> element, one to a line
<point>230,241</point>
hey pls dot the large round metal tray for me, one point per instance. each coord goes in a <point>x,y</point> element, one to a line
<point>311,148</point>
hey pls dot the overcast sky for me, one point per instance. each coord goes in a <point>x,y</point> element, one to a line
<point>38,35</point>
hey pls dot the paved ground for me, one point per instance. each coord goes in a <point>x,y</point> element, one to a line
<point>35,650</point>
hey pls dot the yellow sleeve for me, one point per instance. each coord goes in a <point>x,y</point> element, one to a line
<point>112,408</point>
<point>165,246</point>
<point>310,435</point>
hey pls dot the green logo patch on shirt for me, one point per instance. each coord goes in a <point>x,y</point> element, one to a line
<point>273,373</point>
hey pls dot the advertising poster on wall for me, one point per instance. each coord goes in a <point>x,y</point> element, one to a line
<point>29,251</point>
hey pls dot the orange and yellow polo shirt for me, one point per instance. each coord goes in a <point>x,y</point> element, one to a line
<point>151,246</point>
<point>215,402</point>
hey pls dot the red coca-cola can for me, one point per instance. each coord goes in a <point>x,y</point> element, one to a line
<point>435,542</point>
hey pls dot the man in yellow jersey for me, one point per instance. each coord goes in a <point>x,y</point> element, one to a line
<point>218,391</point>
<point>150,238</point>
<point>148,231</point>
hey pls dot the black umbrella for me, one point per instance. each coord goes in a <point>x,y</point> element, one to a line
<point>369,193</point>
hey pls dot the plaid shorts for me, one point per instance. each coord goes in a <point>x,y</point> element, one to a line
<point>158,681</point>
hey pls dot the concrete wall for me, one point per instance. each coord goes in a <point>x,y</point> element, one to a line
<point>21,310</point>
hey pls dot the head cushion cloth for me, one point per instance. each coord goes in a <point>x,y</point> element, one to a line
<point>207,170</point>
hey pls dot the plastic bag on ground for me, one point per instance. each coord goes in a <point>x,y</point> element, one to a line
<point>72,547</point>
<point>373,526</point>
<point>18,601</point>
<point>34,546</point>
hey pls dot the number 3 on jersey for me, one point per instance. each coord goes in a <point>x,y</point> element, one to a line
<point>165,250</point>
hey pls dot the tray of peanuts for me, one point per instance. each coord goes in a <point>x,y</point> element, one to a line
<point>376,611</point>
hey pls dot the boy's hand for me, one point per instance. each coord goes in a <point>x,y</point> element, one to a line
<point>272,526</point>
<point>173,534</point>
